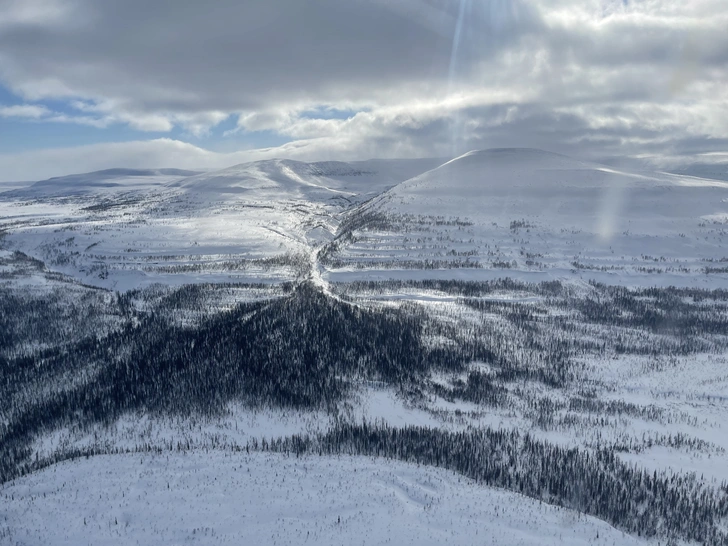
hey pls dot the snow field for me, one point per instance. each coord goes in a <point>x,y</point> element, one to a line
<point>214,497</point>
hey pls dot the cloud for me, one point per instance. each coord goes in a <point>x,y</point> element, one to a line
<point>419,77</point>
<point>246,55</point>
<point>35,112</point>
<point>101,116</point>
<point>29,111</point>
<point>368,136</point>
<point>109,111</point>
<point>34,13</point>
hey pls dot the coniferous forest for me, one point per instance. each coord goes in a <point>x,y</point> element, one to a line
<point>175,352</point>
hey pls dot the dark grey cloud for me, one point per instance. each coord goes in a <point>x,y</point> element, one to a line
<point>428,77</point>
<point>186,55</point>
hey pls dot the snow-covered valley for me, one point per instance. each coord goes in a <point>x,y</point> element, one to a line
<point>518,213</point>
<point>300,341</point>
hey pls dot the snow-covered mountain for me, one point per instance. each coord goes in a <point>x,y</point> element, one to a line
<point>288,179</point>
<point>190,337</point>
<point>716,171</point>
<point>123,228</point>
<point>109,180</point>
<point>531,213</point>
<point>499,184</point>
<point>542,215</point>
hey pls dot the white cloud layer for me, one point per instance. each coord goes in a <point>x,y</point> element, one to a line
<point>421,77</point>
<point>24,111</point>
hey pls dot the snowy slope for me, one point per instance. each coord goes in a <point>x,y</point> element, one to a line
<point>126,228</point>
<point>540,214</point>
<point>318,180</point>
<point>294,178</point>
<point>99,181</point>
<point>488,214</point>
<point>717,171</point>
<point>506,184</point>
<point>524,214</point>
<point>227,497</point>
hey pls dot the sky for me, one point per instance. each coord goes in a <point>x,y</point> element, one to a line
<point>89,84</point>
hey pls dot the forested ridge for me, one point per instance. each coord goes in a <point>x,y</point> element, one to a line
<point>596,483</point>
<point>301,351</point>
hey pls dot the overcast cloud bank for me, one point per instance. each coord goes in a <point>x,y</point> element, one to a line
<point>365,78</point>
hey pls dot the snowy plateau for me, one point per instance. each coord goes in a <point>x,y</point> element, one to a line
<point>508,347</point>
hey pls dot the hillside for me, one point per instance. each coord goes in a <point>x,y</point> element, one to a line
<point>552,329</point>
<point>716,171</point>
<point>494,185</point>
<point>538,214</point>
<point>288,179</point>
<point>127,228</point>
<point>109,180</point>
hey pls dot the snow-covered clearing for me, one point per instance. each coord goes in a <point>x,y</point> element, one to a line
<point>214,497</point>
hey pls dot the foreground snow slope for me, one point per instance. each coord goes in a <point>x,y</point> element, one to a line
<point>234,498</point>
